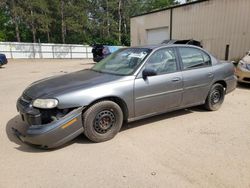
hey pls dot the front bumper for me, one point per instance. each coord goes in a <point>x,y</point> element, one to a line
<point>243,76</point>
<point>53,134</point>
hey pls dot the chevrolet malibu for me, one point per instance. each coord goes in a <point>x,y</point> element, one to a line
<point>130,84</point>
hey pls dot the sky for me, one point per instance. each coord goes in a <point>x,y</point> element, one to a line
<point>181,1</point>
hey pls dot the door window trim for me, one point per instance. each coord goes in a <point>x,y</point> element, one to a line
<point>178,65</point>
<point>181,62</point>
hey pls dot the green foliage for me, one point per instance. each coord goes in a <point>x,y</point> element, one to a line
<point>157,4</point>
<point>72,21</point>
<point>7,31</point>
<point>3,20</point>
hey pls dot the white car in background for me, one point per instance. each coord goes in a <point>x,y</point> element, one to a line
<point>243,69</point>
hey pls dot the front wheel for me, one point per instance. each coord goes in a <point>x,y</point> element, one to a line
<point>102,121</point>
<point>215,97</point>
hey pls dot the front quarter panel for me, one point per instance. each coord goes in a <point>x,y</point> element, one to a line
<point>122,89</point>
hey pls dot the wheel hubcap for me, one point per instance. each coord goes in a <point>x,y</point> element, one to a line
<point>104,121</point>
<point>216,96</point>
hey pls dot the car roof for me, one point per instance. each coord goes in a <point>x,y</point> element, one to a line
<point>152,47</point>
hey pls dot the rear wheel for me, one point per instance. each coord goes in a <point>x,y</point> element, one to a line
<point>215,97</point>
<point>102,121</point>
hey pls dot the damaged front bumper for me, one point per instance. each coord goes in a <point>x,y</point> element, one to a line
<point>52,134</point>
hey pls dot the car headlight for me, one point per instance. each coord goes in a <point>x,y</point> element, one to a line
<point>242,64</point>
<point>45,103</point>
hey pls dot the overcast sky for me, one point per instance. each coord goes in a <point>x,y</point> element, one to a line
<point>181,1</point>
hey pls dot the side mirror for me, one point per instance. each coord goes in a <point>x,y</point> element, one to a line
<point>148,72</point>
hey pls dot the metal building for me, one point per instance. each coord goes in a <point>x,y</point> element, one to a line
<point>222,26</point>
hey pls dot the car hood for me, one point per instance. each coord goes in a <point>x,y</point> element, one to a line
<point>53,86</point>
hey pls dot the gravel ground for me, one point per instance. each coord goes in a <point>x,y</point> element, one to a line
<point>185,148</point>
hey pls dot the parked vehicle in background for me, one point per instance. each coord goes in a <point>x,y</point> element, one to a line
<point>3,60</point>
<point>189,42</point>
<point>100,51</point>
<point>243,69</point>
<point>130,84</point>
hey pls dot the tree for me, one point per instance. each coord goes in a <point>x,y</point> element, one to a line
<point>36,16</point>
<point>119,20</point>
<point>72,21</point>
<point>13,10</point>
<point>44,20</point>
<point>63,26</point>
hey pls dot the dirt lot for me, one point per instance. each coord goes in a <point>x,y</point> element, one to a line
<point>186,148</point>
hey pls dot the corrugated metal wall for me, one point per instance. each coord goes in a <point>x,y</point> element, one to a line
<point>215,23</point>
<point>140,25</point>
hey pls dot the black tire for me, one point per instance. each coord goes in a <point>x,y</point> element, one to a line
<point>215,97</point>
<point>102,121</point>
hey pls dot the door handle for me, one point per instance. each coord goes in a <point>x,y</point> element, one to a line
<point>176,79</point>
<point>210,75</point>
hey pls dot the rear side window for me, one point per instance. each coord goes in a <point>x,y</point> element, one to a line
<point>193,58</point>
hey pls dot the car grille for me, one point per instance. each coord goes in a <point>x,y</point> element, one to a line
<point>246,79</point>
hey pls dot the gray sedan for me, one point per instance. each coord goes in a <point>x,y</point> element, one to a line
<point>130,84</point>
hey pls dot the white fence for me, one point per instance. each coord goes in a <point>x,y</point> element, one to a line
<point>45,50</point>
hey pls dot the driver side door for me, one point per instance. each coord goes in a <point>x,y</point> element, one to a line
<point>163,91</point>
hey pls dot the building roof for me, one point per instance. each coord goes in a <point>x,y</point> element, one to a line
<point>170,7</point>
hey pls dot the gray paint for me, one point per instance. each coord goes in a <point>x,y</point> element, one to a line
<point>141,96</point>
<point>52,135</point>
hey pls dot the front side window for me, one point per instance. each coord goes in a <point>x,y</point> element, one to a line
<point>193,58</point>
<point>162,61</point>
<point>122,62</point>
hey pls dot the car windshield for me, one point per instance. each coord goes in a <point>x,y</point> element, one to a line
<point>122,62</point>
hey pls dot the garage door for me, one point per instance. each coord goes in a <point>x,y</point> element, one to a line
<point>157,35</point>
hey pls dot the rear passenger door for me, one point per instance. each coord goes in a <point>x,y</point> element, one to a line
<point>197,75</point>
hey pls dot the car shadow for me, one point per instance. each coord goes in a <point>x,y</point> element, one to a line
<point>243,85</point>
<point>81,139</point>
<point>161,117</point>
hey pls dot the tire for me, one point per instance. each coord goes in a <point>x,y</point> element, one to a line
<point>102,121</point>
<point>215,97</point>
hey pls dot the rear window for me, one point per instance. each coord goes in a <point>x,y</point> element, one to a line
<point>193,58</point>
